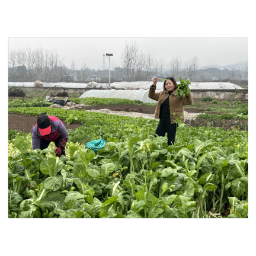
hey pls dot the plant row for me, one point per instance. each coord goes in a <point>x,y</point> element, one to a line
<point>136,175</point>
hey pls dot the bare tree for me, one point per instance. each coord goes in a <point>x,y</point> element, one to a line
<point>246,70</point>
<point>12,59</point>
<point>21,60</point>
<point>129,58</point>
<point>187,71</point>
<point>29,63</point>
<point>12,64</point>
<point>58,70</point>
<point>83,73</point>
<point>239,75</point>
<point>161,63</point>
<point>126,58</point>
<point>140,66</point>
<point>38,56</point>
<point>149,64</point>
<point>134,54</point>
<point>51,65</point>
<point>72,66</point>
<point>194,67</point>
<point>232,74</point>
<point>156,67</point>
<point>175,67</point>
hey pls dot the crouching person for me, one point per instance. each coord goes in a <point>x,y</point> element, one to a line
<point>47,129</point>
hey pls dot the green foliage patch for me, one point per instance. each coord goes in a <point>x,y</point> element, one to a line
<point>207,99</point>
<point>243,110</point>
<point>92,101</point>
<point>13,103</point>
<point>211,117</point>
<point>225,102</point>
<point>136,175</point>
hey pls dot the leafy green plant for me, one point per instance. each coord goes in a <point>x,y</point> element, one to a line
<point>28,103</point>
<point>92,101</point>
<point>134,176</point>
<point>138,102</point>
<point>215,102</point>
<point>212,117</point>
<point>237,102</point>
<point>243,111</point>
<point>207,99</point>
<point>183,88</point>
<point>225,102</point>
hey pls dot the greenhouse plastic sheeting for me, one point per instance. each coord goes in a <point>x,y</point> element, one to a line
<point>141,95</point>
<point>64,85</point>
<point>194,85</point>
<point>131,85</point>
<point>213,85</point>
<point>137,85</point>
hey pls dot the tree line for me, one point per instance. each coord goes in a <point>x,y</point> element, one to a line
<point>139,66</point>
<point>28,65</point>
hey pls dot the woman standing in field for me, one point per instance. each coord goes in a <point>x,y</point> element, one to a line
<point>168,108</point>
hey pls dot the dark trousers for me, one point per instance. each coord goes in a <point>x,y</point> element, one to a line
<point>45,143</point>
<point>164,127</point>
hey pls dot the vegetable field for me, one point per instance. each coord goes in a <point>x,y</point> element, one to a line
<point>204,175</point>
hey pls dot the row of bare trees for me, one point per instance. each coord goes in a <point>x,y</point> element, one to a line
<point>27,65</point>
<point>139,66</point>
<point>239,73</point>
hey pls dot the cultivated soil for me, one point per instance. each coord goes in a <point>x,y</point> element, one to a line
<point>24,123</point>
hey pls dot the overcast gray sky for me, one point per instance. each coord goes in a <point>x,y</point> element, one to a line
<point>209,50</point>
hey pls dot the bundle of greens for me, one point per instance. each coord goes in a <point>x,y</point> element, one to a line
<point>183,88</point>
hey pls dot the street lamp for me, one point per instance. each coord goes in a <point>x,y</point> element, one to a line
<point>108,55</point>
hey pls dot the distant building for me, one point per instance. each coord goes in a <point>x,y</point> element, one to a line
<point>70,78</point>
<point>95,78</point>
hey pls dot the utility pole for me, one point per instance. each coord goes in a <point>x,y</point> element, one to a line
<point>108,56</point>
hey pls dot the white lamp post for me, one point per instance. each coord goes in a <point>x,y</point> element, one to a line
<point>108,55</point>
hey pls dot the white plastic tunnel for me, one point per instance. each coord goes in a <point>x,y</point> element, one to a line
<point>141,95</point>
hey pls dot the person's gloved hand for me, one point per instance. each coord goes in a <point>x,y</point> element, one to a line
<point>58,151</point>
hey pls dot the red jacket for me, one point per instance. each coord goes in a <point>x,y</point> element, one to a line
<point>58,129</point>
